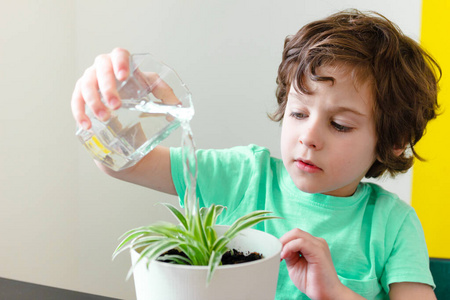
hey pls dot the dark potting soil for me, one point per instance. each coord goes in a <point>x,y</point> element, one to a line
<point>232,257</point>
<point>229,258</point>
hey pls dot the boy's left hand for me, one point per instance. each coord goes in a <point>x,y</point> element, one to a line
<point>310,266</point>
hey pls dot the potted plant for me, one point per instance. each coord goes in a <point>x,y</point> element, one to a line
<point>195,270</point>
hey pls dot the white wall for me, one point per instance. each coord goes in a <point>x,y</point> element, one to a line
<point>38,154</point>
<point>59,216</point>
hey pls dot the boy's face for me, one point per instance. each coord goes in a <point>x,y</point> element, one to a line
<point>328,138</point>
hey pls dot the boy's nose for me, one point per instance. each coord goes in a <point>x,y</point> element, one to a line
<point>311,137</point>
<point>308,144</point>
<point>311,144</point>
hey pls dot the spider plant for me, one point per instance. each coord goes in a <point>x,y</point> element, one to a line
<point>194,236</point>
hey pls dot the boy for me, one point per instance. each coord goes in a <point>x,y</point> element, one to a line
<point>354,94</point>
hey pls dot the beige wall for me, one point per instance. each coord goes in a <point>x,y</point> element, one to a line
<point>38,155</point>
<point>59,216</point>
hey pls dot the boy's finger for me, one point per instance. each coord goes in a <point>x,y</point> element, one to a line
<point>296,246</point>
<point>294,234</point>
<point>161,89</point>
<point>298,240</point>
<point>91,96</point>
<point>120,59</point>
<point>107,80</point>
<point>77,105</point>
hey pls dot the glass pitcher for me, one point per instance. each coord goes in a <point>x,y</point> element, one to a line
<point>154,103</point>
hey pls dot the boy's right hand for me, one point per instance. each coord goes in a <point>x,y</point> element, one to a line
<point>153,171</point>
<point>101,76</point>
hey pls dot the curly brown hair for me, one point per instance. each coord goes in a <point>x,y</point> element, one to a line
<point>404,77</point>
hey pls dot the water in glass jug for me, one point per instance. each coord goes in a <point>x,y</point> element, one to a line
<point>154,103</point>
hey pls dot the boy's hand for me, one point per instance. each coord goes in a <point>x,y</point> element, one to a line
<point>154,170</point>
<point>100,76</point>
<point>310,266</point>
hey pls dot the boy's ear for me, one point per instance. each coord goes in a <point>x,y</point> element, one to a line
<point>398,151</point>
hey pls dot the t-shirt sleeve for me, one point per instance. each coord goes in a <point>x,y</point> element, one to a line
<point>223,175</point>
<point>409,260</point>
<point>176,166</point>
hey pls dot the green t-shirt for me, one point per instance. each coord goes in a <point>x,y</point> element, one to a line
<point>375,239</point>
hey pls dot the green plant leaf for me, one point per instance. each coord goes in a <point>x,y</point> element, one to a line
<point>137,243</point>
<point>211,235</point>
<point>145,241</point>
<point>153,251</point>
<point>213,263</point>
<point>221,243</point>
<point>133,231</point>
<point>198,255</point>
<point>169,230</point>
<point>248,221</point>
<point>247,224</point>
<point>199,230</point>
<point>211,214</point>
<point>125,241</point>
<point>177,214</point>
<point>176,259</point>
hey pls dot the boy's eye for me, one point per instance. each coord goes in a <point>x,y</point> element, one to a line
<point>340,127</point>
<point>298,115</point>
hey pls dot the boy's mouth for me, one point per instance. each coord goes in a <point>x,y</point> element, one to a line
<point>307,166</point>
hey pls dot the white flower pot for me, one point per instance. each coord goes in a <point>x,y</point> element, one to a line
<point>253,280</point>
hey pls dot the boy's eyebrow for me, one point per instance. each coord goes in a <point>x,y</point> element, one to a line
<point>338,109</point>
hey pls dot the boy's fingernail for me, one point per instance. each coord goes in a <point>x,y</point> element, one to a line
<point>122,75</point>
<point>84,125</point>
<point>102,115</point>
<point>114,103</point>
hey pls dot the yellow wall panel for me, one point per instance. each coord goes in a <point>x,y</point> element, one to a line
<point>431,179</point>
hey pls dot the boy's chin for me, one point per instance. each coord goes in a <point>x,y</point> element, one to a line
<point>343,192</point>
<point>310,189</point>
<point>314,189</point>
